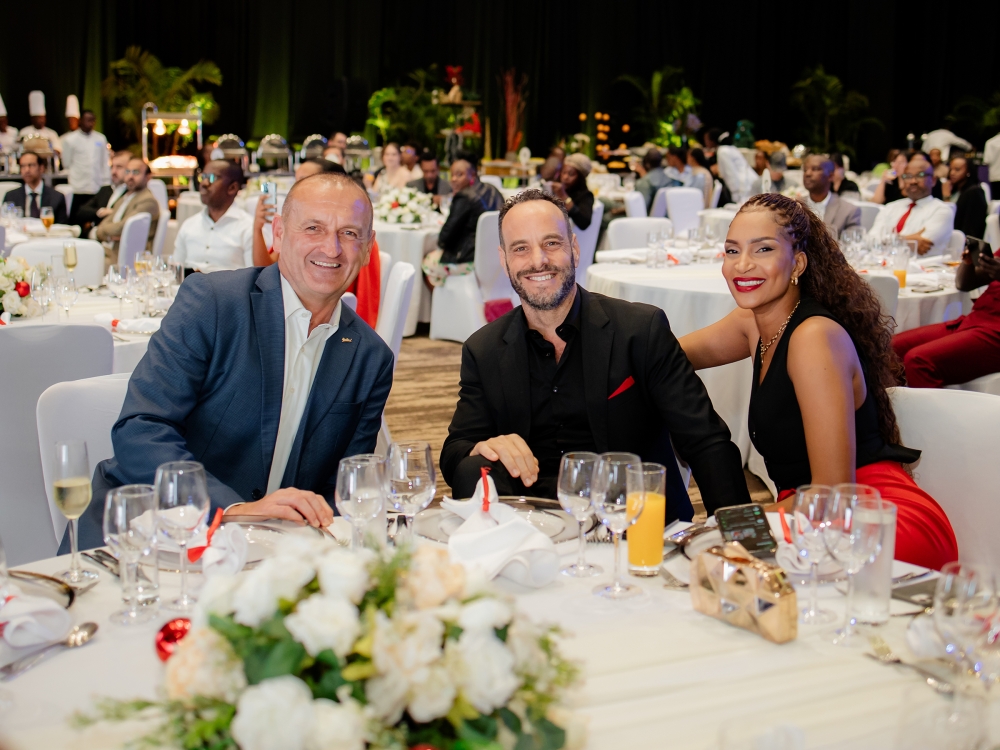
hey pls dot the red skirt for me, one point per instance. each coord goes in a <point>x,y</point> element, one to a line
<point>923,533</point>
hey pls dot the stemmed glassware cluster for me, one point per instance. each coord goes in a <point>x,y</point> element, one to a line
<point>610,485</point>
<point>966,615</point>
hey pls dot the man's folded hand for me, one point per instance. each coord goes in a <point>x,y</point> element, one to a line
<point>291,504</point>
<point>513,453</point>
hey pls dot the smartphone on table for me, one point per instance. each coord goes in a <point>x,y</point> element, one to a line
<point>747,524</point>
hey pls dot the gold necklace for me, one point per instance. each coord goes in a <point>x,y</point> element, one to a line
<point>764,347</point>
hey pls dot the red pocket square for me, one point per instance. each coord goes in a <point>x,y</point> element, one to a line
<point>628,383</point>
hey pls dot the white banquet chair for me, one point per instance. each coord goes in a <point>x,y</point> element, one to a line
<point>44,355</point>
<point>658,208</point>
<point>135,235</point>
<point>384,269</point>
<point>869,212</point>
<point>683,205</point>
<point>986,384</point>
<point>945,424</point>
<point>630,234</point>
<point>458,305</point>
<point>993,231</point>
<point>635,204</point>
<point>394,306</point>
<point>6,187</point>
<point>492,179</point>
<point>887,289</point>
<point>89,258</point>
<point>955,246</point>
<point>716,194</point>
<point>67,192</point>
<point>587,240</point>
<point>78,410</point>
<point>159,191</point>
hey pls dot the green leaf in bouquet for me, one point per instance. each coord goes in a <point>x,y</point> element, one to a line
<point>285,658</point>
<point>502,632</point>
<point>480,733</point>
<point>552,736</point>
<point>453,632</point>
<point>358,670</point>
<point>511,720</point>
<point>229,629</point>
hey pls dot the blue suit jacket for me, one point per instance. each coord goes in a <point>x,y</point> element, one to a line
<point>209,389</point>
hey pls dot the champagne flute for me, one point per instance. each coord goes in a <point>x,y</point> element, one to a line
<point>576,474</point>
<point>71,492</point>
<point>618,498</point>
<point>965,603</point>
<point>48,217</point>
<point>69,257</point>
<point>360,492</point>
<point>182,506</point>
<point>410,482</point>
<point>130,537</point>
<point>853,537</point>
<point>806,525</point>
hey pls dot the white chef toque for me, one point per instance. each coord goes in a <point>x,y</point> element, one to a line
<point>36,103</point>
<point>72,106</point>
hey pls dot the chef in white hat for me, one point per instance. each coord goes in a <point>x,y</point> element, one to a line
<point>72,113</point>
<point>8,135</point>
<point>86,158</point>
<point>36,108</point>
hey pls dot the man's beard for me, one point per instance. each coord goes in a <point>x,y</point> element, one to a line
<point>540,302</point>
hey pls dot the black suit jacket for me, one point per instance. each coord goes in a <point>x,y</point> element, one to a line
<point>87,213</point>
<point>50,197</point>
<point>971,210</point>
<point>458,235</point>
<point>623,343</point>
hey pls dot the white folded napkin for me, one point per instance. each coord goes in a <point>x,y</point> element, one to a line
<point>788,558</point>
<point>621,256</point>
<point>929,283</point>
<point>4,318</point>
<point>923,639</point>
<point>128,325</point>
<point>32,620</point>
<point>228,552</point>
<point>145,525</point>
<point>500,542</point>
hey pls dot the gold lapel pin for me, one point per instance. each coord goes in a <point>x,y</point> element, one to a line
<point>345,341</point>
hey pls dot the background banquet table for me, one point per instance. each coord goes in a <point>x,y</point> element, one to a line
<point>129,348</point>
<point>410,246</point>
<point>695,296</point>
<point>656,671</point>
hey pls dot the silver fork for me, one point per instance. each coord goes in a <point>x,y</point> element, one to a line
<point>599,535</point>
<point>883,653</point>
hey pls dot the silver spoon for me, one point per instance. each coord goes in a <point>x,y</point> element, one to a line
<point>78,636</point>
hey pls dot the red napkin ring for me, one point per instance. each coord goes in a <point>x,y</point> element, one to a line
<point>784,525</point>
<point>673,258</point>
<point>195,553</point>
<point>484,470</point>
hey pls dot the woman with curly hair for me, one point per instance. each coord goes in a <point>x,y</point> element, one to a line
<point>823,359</point>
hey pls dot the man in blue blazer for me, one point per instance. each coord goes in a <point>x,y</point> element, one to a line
<point>261,374</point>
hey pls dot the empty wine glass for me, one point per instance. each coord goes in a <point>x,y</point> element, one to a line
<point>41,290</point>
<point>807,522</point>
<point>65,294</point>
<point>71,493</point>
<point>965,603</point>
<point>853,537</point>
<point>182,506</point>
<point>130,536</point>
<point>576,475</point>
<point>117,281</point>
<point>410,482</point>
<point>360,492</point>
<point>618,499</point>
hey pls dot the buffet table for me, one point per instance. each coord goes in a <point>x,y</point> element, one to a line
<point>657,673</point>
<point>409,243</point>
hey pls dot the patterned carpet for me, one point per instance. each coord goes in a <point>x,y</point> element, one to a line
<point>424,394</point>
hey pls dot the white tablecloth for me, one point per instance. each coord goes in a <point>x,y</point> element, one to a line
<point>410,246</point>
<point>696,296</point>
<point>657,673</point>
<point>129,349</point>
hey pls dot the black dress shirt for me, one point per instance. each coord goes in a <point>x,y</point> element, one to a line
<point>559,421</point>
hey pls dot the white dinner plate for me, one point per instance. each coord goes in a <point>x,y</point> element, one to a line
<point>544,514</point>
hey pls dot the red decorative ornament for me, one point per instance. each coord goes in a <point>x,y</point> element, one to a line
<point>395,204</point>
<point>423,746</point>
<point>23,288</point>
<point>168,636</point>
<point>453,74</point>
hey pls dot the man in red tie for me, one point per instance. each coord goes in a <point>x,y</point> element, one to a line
<point>919,216</point>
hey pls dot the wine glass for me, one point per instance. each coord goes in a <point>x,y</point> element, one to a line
<point>576,474</point>
<point>69,257</point>
<point>853,536</point>
<point>117,282</point>
<point>65,294</point>
<point>182,506</point>
<point>129,539</point>
<point>965,602</point>
<point>618,498</point>
<point>71,492</point>
<point>410,482</point>
<point>807,522</point>
<point>48,217</point>
<point>360,492</point>
<point>41,290</point>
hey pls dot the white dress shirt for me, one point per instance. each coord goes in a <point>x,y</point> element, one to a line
<point>223,245</point>
<point>8,139</point>
<point>85,157</point>
<point>820,208</point>
<point>303,352</point>
<point>933,216</point>
<point>48,133</point>
<point>684,178</point>
<point>116,192</point>
<point>992,157</point>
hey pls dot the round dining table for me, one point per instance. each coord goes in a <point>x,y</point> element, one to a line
<point>409,243</point>
<point>656,672</point>
<point>696,295</point>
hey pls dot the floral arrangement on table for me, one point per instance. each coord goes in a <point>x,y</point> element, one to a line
<point>797,192</point>
<point>321,648</point>
<point>403,206</point>
<point>15,288</point>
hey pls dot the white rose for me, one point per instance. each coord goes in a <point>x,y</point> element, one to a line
<point>387,696</point>
<point>336,726</point>
<point>12,303</point>
<point>6,283</point>
<point>204,664</point>
<point>257,596</point>
<point>404,649</point>
<point>324,622</point>
<point>432,697</point>
<point>277,714</point>
<point>483,669</point>
<point>484,614</point>
<point>345,573</point>
<point>215,598</point>
<point>432,578</point>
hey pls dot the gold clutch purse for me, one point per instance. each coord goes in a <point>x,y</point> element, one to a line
<point>730,584</point>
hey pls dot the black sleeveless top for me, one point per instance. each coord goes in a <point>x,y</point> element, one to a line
<point>775,419</point>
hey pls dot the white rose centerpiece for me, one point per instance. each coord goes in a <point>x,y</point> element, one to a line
<point>403,206</point>
<point>15,288</point>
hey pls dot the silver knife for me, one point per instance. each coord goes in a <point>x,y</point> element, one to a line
<point>112,562</point>
<point>100,563</point>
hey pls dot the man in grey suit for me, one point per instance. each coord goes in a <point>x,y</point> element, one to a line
<point>261,374</point>
<point>838,214</point>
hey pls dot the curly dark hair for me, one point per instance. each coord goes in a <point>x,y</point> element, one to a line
<point>831,281</point>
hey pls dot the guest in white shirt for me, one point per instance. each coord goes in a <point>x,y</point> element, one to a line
<point>220,238</point>
<point>8,135</point>
<point>991,157</point>
<point>919,216</point>
<point>85,157</point>
<point>678,169</point>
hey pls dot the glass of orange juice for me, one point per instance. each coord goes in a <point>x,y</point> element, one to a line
<point>900,264</point>
<point>645,538</point>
